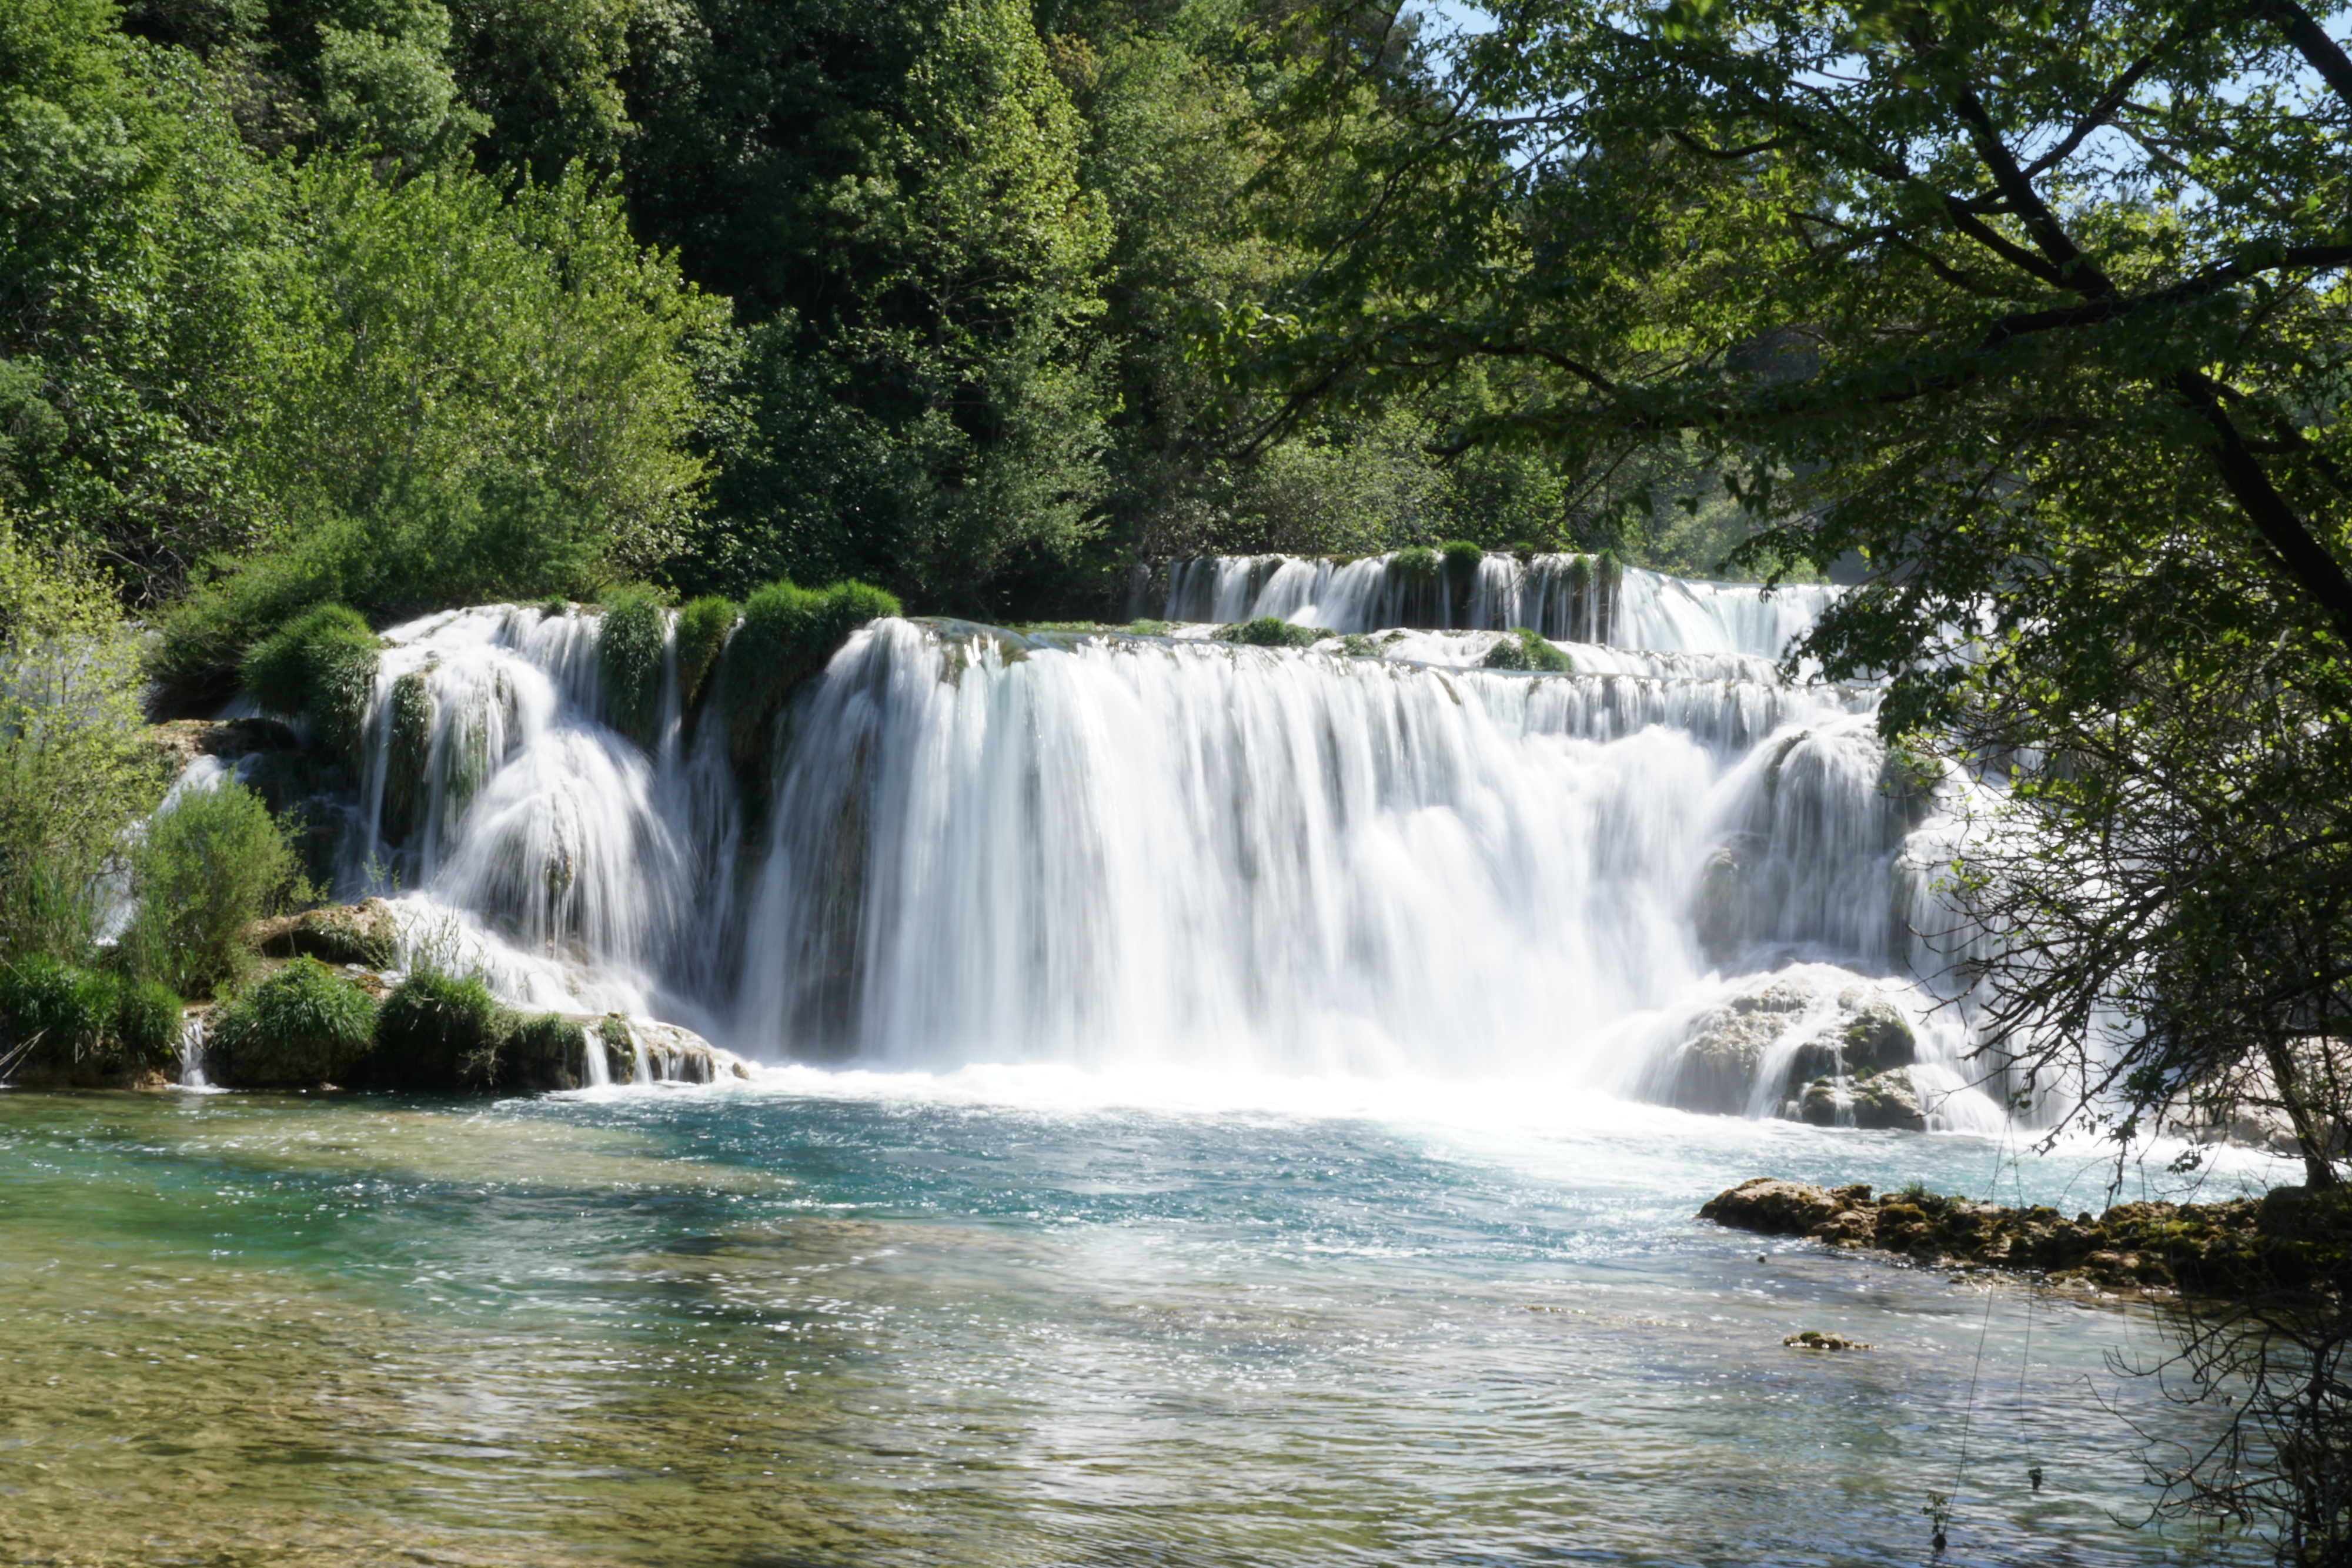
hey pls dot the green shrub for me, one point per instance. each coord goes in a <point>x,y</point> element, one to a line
<point>630,635</point>
<point>148,1015</point>
<point>787,634</point>
<point>53,1013</point>
<point>702,629</point>
<point>1269,631</point>
<point>439,1031</point>
<point>1462,558</point>
<point>1356,645</point>
<point>303,1025</point>
<point>324,664</point>
<point>555,607</point>
<point>1147,628</point>
<point>206,869</point>
<point>1521,649</point>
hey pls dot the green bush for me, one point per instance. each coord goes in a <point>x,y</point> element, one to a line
<point>439,1031</point>
<point>206,869</point>
<point>702,629</point>
<point>1521,649</point>
<point>787,634</point>
<point>1147,628</point>
<point>630,635</point>
<point>303,1025</point>
<point>324,664</point>
<point>148,1015</point>
<point>53,1013</point>
<point>1462,558</point>
<point>1269,631</point>
<point>1356,645</point>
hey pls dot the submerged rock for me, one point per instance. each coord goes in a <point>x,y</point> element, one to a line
<point>1813,1339</point>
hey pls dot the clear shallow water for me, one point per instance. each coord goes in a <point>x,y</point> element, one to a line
<point>1009,1317</point>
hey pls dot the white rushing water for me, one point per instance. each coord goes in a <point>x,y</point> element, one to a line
<point>1577,597</point>
<point>1122,852</point>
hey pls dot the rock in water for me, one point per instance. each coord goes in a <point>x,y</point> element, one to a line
<point>1724,1049</point>
<point>1888,1100</point>
<point>1774,1208</point>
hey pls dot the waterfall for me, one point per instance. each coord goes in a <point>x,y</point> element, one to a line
<point>1110,849</point>
<point>1571,598</point>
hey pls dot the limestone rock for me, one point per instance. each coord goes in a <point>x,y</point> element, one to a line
<point>1879,1037</point>
<point>365,933</point>
<point>1888,1100</point>
<point>1772,1206</point>
<point>1814,1340</point>
<point>1721,1056</point>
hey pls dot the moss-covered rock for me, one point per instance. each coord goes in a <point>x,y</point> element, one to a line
<point>322,664</point>
<point>365,933</point>
<point>546,1050</point>
<point>630,636</point>
<point>408,755</point>
<point>1879,1038</point>
<point>302,1027</point>
<point>787,634</point>
<point>703,627</point>
<point>1269,631</point>
<point>1888,1100</point>
<point>1521,649</point>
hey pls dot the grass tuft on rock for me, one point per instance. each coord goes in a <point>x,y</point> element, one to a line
<point>439,1031</point>
<point>702,631</point>
<point>1269,631</point>
<point>787,634</point>
<point>304,1025</point>
<point>1462,558</point>
<point>546,1050</point>
<point>1522,649</point>
<point>322,664</point>
<point>629,638</point>
<point>1416,564</point>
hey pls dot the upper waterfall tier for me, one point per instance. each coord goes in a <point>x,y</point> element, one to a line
<point>1570,598</point>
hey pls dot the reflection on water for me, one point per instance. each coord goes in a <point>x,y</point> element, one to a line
<point>860,1321</point>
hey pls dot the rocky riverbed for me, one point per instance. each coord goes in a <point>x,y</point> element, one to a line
<point>2290,1239</point>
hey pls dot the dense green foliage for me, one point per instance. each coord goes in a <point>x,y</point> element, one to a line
<point>205,869</point>
<point>322,663</point>
<point>73,767</point>
<point>703,627</point>
<point>1522,649</point>
<point>303,1025</point>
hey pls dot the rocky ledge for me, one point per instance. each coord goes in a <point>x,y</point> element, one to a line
<point>2290,1239</point>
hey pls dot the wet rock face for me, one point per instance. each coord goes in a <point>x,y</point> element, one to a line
<point>365,933</point>
<point>1866,1036</point>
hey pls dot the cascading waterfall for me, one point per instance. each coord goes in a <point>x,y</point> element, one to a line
<point>1112,850</point>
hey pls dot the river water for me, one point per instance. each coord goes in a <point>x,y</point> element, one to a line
<point>1019,1316</point>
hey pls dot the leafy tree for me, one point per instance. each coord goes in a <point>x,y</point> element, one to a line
<point>890,194</point>
<point>75,770</point>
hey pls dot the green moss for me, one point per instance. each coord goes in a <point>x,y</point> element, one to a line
<point>554,607</point>
<point>439,1031</point>
<point>629,639</point>
<point>1356,645</point>
<point>1080,627</point>
<point>303,1025</point>
<point>1462,558</point>
<point>324,664</point>
<point>408,754</point>
<point>1269,631</point>
<point>786,635</point>
<point>1521,649</point>
<point>702,629</point>
<point>1147,628</point>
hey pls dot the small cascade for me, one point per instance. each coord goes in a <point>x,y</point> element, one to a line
<point>193,1029</point>
<point>1565,598</point>
<point>597,1073</point>
<point>1368,857</point>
